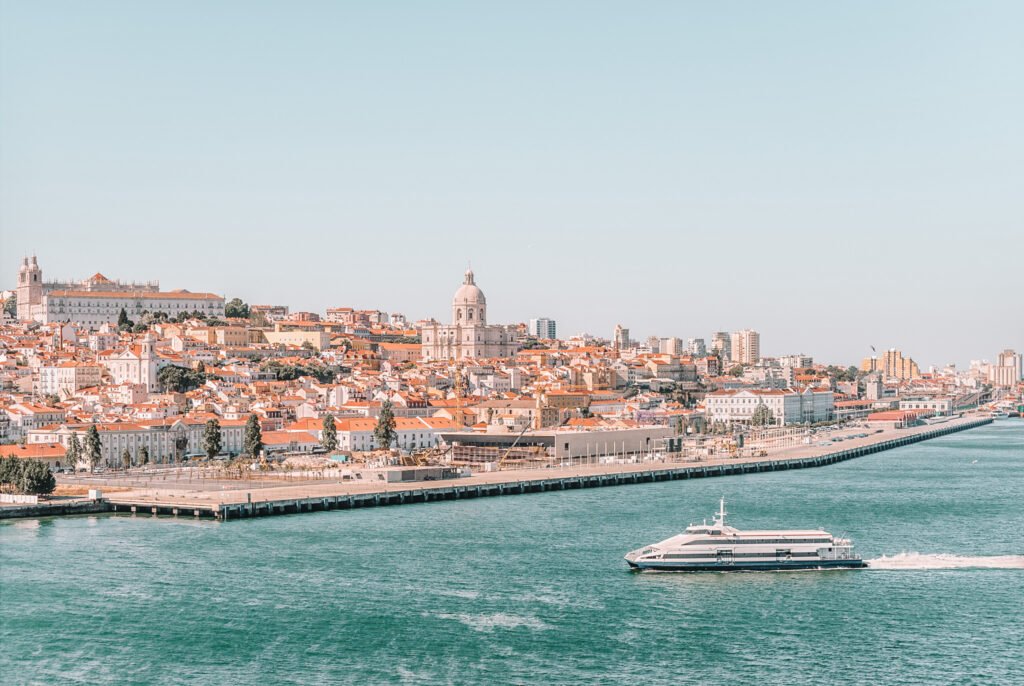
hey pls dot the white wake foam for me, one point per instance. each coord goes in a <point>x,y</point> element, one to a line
<point>945,561</point>
<point>500,620</point>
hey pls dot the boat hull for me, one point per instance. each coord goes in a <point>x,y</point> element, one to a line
<point>767,566</point>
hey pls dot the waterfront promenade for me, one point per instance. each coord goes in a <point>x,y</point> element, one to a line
<point>225,499</point>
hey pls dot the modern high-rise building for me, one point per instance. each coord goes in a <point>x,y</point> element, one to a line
<point>746,347</point>
<point>543,328</point>
<point>1007,369</point>
<point>620,337</point>
<point>721,344</point>
<point>696,347</point>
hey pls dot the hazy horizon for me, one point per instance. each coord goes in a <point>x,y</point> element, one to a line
<point>835,177</point>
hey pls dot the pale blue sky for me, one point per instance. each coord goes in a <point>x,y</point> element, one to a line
<point>835,175</point>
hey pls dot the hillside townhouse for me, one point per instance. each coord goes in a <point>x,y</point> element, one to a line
<point>533,410</point>
<point>413,433</point>
<point>290,441</point>
<point>64,378</point>
<point>25,417</point>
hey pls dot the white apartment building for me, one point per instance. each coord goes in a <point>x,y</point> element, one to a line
<point>24,418</point>
<point>788,407</point>
<point>64,378</point>
<point>799,361</point>
<point>696,347</point>
<point>670,346</point>
<point>745,346</point>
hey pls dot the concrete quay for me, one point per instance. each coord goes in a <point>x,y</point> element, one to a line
<point>322,496</point>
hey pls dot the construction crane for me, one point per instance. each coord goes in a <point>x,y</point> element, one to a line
<point>508,451</point>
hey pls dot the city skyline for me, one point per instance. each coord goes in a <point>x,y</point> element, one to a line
<point>874,350</point>
<point>832,179</point>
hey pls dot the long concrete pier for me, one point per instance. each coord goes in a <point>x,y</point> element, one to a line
<point>320,496</point>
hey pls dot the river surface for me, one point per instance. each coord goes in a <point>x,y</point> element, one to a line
<point>532,589</point>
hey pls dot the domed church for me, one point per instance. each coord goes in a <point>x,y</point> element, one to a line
<point>469,335</point>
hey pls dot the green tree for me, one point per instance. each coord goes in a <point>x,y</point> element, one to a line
<point>212,439</point>
<point>329,434</point>
<point>385,432</point>
<point>180,448</point>
<point>93,447</point>
<point>73,453</point>
<point>123,323</point>
<point>35,478</point>
<point>180,379</point>
<point>143,456</point>
<point>737,370</point>
<point>236,308</point>
<point>126,458</point>
<point>10,471</point>
<point>11,307</point>
<point>290,372</point>
<point>253,436</point>
<point>762,416</point>
<point>28,477</point>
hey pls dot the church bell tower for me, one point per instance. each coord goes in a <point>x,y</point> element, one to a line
<point>30,287</point>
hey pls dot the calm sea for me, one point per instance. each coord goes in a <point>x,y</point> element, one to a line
<point>533,589</point>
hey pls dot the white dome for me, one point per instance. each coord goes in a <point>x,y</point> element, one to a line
<point>469,293</point>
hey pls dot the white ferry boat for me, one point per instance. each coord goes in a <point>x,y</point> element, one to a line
<point>717,547</point>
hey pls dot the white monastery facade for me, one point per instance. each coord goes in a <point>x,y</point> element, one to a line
<point>99,300</point>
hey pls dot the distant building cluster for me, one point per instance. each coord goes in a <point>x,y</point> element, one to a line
<point>892,365</point>
<point>68,364</point>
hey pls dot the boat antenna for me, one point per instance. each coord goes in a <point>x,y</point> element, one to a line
<point>720,515</point>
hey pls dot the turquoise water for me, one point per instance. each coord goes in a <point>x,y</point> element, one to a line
<point>533,589</point>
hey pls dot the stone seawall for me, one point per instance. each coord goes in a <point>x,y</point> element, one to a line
<point>51,509</point>
<point>334,496</point>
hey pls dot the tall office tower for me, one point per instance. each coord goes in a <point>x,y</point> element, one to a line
<point>543,328</point>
